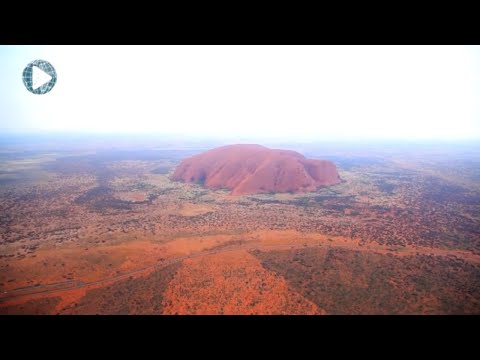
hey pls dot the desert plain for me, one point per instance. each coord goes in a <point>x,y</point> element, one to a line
<point>90,229</point>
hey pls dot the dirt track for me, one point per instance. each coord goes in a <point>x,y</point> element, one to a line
<point>75,284</point>
<point>32,291</point>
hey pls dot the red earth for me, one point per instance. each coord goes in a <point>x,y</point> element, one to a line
<point>252,169</point>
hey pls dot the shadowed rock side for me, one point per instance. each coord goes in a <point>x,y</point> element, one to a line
<point>253,169</point>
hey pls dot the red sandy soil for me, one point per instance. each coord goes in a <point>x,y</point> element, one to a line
<point>345,281</point>
<point>231,283</point>
<point>252,169</point>
<point>255,273</point>
<point>121,238</point>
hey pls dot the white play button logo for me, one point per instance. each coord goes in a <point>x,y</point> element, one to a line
<point>39,77</point>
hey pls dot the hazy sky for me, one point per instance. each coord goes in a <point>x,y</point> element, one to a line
<point>302,92</point>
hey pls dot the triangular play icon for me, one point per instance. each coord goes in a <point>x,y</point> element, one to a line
<point>39,77</point>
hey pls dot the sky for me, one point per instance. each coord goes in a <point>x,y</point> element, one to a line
<point>299,92</point>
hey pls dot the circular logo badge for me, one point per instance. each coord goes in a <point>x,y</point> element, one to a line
<point>39,77</point>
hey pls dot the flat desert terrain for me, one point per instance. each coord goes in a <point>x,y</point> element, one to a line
<point>106,231</point>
